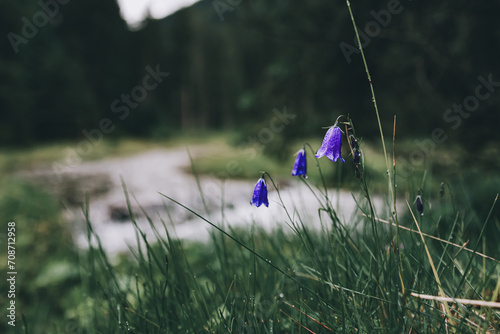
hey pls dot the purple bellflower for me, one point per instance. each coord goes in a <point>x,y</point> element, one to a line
<point>331,144</point>
<point>260,193</point>
<point>420,204</point>
<point>300,166</point>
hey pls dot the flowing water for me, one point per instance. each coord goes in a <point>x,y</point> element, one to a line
<point>164,171</point>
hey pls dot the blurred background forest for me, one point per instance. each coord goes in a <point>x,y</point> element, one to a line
<point>229,70</point>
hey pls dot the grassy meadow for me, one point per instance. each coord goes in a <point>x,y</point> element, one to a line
<point>432,273</point>
<point>358,276</point>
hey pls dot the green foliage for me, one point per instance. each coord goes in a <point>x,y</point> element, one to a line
<point>46,260</point>
<point>341,278</point>
<point>348,276</point>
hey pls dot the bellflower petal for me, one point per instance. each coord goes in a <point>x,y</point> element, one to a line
<point>325,145</point>
<point>260,193</point>
<point>300,166</point>
<point>331,146</point>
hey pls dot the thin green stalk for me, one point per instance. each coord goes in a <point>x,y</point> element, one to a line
<point>459,286</point>
<point>379,123</point>
<point>320,172</point>
<point>374,101</point>
<point>364,187</point>
<point>433,267</point>
<point>371,84</point>
<point>395,208</point>
<point>376,111</point>
<point>445,250</point>
<point>198,184</point>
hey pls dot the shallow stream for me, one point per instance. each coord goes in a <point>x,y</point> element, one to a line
<point>150,173</point>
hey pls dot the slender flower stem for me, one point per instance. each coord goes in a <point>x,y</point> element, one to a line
<point>321,175</point>
<point>337,120</point>
<point>436,275</point>
<point>373,95</point>
<point>395,208</point>
<point>381,137</point>
<point>391,187</point>
<point>320,172</point>
<point>451,195</point>
<point>290,218</point>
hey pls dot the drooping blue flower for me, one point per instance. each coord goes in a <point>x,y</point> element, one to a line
<point>300,166</point>
<point>331,144</point>
<point>420,204</point>
<point>260,193</point>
